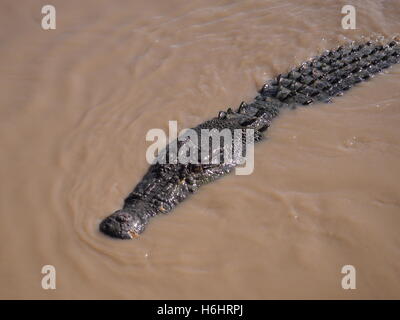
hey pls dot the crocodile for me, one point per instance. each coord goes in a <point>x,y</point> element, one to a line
<point>317,80</point>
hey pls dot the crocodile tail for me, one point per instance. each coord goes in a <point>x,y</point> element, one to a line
<point>331,73</point>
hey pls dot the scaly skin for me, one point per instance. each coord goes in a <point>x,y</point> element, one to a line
<point>320,79</point>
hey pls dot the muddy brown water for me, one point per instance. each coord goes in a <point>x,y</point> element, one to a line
<point>77,102</point>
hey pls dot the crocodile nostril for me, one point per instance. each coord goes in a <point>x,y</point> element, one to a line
<point>123,217</point>
<point>106,226</point>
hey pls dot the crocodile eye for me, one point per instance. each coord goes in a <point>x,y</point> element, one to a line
<point>248,122</point>
<point>230,111</point>
<point>242,107</point>
<point>222,115</point>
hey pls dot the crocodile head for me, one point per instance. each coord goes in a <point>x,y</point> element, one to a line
<point>123,224</point>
